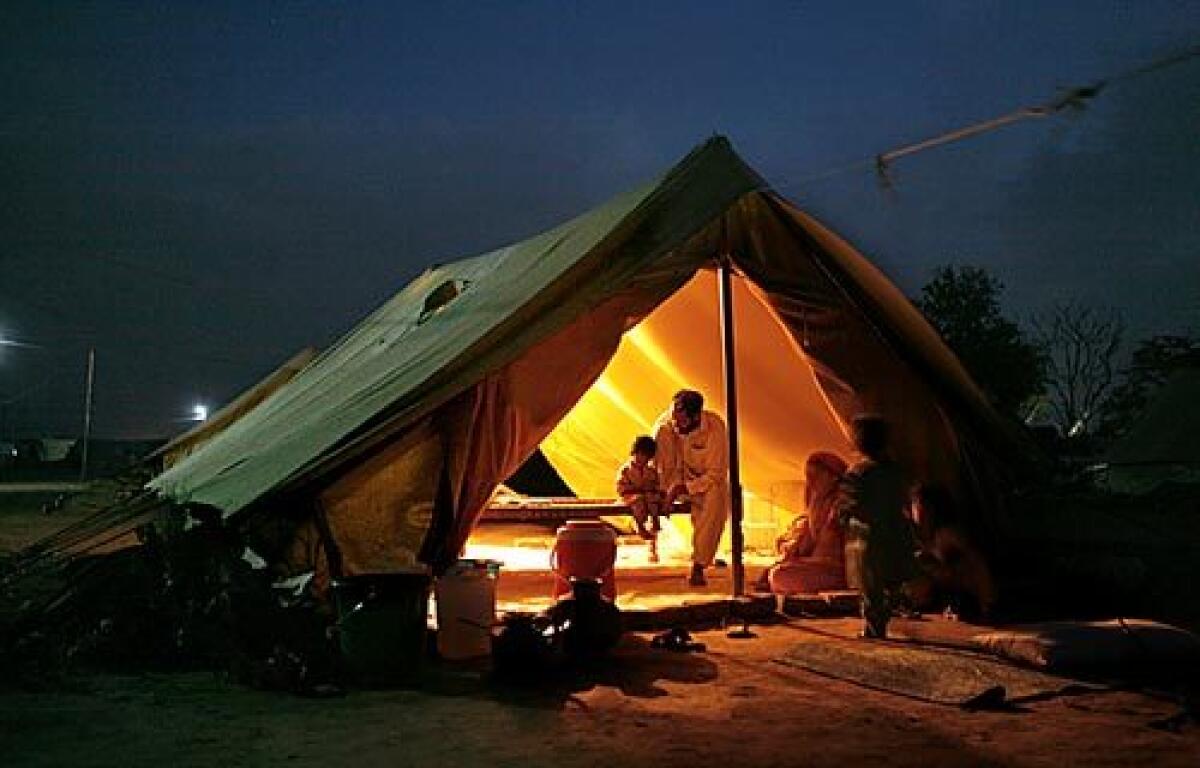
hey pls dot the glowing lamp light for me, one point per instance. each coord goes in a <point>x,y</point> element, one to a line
<point>6,341</point>
<point>199,412</point>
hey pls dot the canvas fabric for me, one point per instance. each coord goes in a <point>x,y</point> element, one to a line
<point>574,340</point>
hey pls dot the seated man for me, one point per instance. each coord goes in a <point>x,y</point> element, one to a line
<point>693,465</point>
<point>812,551</point>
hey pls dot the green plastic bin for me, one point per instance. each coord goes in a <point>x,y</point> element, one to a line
<point>381,626</point>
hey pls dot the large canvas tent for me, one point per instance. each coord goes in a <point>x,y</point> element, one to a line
<point>391,441</point>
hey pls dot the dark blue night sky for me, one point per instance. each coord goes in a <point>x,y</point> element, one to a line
<point>198,190</point>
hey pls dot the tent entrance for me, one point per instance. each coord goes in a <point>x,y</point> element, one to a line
<point>783,416</point>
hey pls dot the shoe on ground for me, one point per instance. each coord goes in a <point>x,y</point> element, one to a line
<point>676,639</point>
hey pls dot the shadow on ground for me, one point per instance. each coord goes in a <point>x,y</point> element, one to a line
<point>634,668</point>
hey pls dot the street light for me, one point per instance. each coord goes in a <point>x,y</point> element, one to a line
<point>199,412</point>
<point>6,342</point>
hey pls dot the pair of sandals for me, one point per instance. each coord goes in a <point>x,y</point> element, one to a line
<point>676,639</point>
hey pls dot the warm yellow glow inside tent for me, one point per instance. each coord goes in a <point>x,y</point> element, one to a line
<point>783,415</point>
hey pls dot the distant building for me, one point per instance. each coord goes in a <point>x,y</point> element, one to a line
<point>1163,446</point>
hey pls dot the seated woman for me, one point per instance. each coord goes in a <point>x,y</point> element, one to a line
<point>812,556</point>
<point>956,574</point>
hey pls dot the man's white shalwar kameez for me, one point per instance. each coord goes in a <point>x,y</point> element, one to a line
<point>700,461</point>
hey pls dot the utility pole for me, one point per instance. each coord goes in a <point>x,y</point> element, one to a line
<point>87,413</point>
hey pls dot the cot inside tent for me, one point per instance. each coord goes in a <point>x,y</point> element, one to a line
<point>782,413</point>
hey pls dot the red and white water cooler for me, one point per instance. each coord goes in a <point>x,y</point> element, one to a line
<point>584,549</point>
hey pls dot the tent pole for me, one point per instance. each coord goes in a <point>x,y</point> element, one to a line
<point>731,413</point>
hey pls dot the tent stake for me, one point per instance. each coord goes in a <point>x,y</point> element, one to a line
<point>731,415</point>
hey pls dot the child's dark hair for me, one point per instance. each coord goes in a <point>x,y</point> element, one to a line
<point>871,434</point>
<point>644,444</point>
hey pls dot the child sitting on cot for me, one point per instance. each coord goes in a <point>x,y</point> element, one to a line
<point>637,485</point>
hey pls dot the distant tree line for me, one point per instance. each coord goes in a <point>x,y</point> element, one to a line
<point>1064,370</point>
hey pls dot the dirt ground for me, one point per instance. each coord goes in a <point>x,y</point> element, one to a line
<point>731,704</point>
<point>22,522</point>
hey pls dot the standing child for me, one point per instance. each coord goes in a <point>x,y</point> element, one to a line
<point>870,506</point>
<point>637,485</point>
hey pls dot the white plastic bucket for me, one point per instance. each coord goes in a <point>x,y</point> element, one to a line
<point>855,548</point>
<point>466,609</point>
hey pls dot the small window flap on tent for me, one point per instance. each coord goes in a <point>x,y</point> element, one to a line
<point>439,297</point>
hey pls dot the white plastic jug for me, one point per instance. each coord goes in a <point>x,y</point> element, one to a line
<point>466,609</point>
<point>855,548</point>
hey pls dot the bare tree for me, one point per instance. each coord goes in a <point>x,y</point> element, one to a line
<point>1079,345</point>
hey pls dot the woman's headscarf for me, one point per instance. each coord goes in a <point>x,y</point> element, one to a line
<point>820,489</point>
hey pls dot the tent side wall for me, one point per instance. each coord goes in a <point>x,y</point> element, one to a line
<point>945,429</point>
<point>859,369</point>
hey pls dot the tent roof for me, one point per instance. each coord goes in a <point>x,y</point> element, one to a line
<point>238,407</point>
<point>1166,432</point>
<point>414,353</point>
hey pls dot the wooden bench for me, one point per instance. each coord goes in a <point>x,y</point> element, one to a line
<point>558,509</point>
